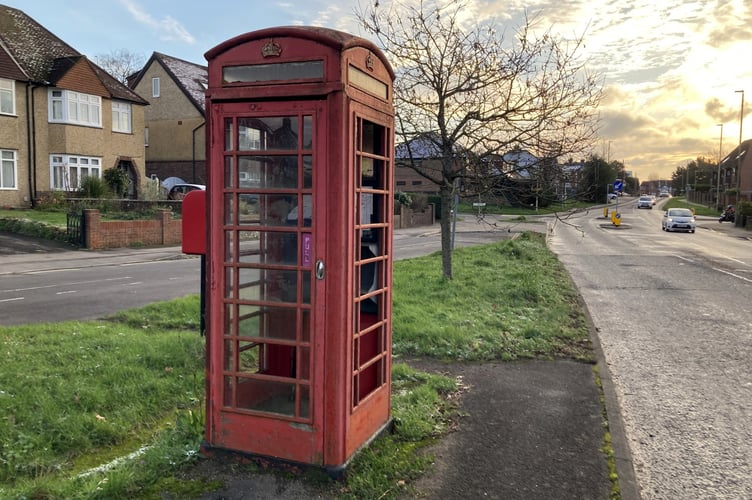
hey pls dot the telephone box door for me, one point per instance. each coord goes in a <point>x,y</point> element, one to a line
<point>266,225</point>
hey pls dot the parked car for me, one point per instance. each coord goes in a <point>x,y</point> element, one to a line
<point>612,196</point>
<point>645,202</point>
<point>178,191</point>
<point>678,219</point>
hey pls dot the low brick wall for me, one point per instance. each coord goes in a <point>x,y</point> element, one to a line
<point>162,230</point>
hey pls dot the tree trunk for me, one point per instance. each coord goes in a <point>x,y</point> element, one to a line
<point>446,192</point>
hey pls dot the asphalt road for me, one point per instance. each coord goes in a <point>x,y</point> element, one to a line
<point>672,314</point>
<point>43,281</point>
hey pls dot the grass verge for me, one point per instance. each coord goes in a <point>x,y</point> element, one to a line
<point>76,395</point>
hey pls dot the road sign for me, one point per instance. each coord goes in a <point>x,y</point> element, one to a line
<point>618,185</point>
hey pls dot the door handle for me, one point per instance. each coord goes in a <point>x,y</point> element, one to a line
<point>319,270</point>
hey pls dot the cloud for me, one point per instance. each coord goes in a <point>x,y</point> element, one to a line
<point>167,28</point>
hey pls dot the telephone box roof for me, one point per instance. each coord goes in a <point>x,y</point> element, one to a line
<point>333,38</point>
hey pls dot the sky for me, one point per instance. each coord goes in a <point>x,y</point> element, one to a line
<point>671,68</point>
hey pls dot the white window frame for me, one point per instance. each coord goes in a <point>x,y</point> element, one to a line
<point>68,171</point>
<point>76,108</point>
<point>121,117</point>
<point>146,137</point>
<point>8,169</point>
<point>155,86</point>
<point>7,97</point>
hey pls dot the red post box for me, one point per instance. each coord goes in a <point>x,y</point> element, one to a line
<point>300,201</point>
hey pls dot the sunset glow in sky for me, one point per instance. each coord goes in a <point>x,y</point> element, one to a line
<point>670,67</point>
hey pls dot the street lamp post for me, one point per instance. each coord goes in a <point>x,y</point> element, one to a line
<point>739,156</point>
<point>720,157</point>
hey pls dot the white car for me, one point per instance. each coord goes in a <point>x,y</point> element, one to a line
<point>645,202</point>
<point>678,219</point>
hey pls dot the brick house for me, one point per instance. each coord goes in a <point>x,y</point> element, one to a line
<point>175,121</point>
<point>62,117</point>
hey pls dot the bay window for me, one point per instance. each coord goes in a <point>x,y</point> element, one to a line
<point>75,108</point>
<point>67,172</point>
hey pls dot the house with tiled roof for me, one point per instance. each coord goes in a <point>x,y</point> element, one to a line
<point>175,119</point>
<point>62,117</point>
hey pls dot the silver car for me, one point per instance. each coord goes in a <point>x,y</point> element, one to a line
<point>678,219</point>
<point>645,202</point>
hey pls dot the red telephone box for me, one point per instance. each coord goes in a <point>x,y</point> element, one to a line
<point>300,202</point>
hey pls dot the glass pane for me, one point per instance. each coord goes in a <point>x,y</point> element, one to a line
<point>304,363</point>
<point>229,182</point>
<point>248,357</point>
<point>229,216</point>
<point>292,216</point>
<point>228,354</point>
<point>249,321</point>
<point>229,246</point>
<point>249,283</point>
<point>306,277</point>
<point>253,134</point>
<point>267,322</point>
<point>279,248</point>
<point>249,171</point>
<point>228,134</point>
<point>253,73</point>
<point>267,396</point>
<point>307,172</point>
<point>229,283</point>
<point>248,247</point>
<point>305,401</point>
<point>271,172</point>
<point>269,133</point>
<point>227,399</point>
<point>229,315</point>
<point>307,132</point>
<point>305,331</point>
<point>248,209</point>
<point>275,210</point>
<point>281,286</point>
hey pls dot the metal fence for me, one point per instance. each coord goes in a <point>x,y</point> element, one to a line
<point>75,228</point>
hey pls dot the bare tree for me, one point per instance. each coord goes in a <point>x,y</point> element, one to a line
<point>472,94</point>
<point>120,64</point>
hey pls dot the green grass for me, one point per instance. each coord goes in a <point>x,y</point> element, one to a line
<point>76,395</point>
<point>507,300</point>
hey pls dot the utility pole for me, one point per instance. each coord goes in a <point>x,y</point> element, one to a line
<point>720,157</point>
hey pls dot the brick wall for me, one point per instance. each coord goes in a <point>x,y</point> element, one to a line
<point>162,230</point>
